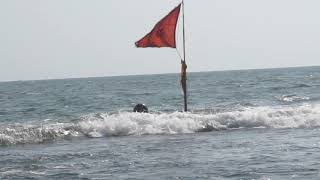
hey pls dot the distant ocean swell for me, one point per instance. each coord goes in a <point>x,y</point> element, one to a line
<point>126,123</point>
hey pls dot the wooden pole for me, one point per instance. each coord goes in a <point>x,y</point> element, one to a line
<point>184,66</point>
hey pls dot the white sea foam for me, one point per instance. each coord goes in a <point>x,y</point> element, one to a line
<point>305,116</point>
<point>22,133</point>
<point>292,98</point>
<point>126,123</point>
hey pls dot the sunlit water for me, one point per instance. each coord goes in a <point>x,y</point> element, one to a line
<point>254,124</point>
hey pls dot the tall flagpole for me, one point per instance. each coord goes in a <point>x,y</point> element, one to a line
<point>184,66</point>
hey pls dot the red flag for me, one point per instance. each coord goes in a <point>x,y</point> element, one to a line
<point>164,32</point>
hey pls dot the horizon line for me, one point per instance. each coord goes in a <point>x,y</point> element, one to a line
<point>124,75</point>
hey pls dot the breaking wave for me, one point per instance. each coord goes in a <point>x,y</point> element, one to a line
<point>126,123</point>
<point>292,98</point>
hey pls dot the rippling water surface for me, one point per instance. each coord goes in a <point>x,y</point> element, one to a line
<point>250,124</point>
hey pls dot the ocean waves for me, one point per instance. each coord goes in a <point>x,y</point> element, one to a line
<point>136,124</point>
<point>32,133</point>
<point>292,98</point>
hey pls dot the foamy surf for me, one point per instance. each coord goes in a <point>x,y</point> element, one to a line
<point>127,123</point>
<point>292,98</point>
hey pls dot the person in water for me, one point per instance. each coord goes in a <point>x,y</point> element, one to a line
<point>140,108</point>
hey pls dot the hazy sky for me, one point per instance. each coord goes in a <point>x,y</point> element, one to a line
<point>41,39</point>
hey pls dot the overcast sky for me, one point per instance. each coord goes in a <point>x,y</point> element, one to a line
<point>45,39</point>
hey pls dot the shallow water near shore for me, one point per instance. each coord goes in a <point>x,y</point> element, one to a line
<point>249,124</point>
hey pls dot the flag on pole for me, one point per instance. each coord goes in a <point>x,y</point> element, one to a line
<point>164,32</point>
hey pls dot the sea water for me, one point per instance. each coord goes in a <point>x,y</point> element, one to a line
<point>248,124</point>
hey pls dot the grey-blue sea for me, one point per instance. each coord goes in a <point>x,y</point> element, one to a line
<point>246,124</point>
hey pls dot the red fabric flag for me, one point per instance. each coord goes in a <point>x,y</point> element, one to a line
<point>164,32</point>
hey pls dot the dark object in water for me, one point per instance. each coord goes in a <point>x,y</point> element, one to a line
<point>140,108</point>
